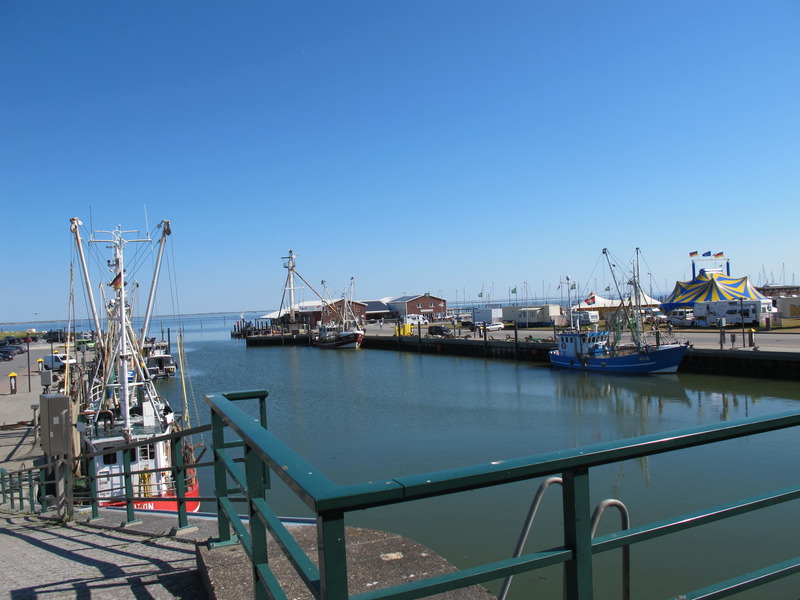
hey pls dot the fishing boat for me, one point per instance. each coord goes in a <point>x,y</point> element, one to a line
<point>118,400</point>
<point>342,330</point>
<point>605,350</point>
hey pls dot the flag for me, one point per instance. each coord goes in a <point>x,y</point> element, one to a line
<point>117,281</point>
<point>590,300</point>
<point>572,287</point>
<point>480,294</point>
<point>514,291</point>
<point>692,253</point>
<point>608,288</point>
<point>719,255</point>
<point>707,253</point>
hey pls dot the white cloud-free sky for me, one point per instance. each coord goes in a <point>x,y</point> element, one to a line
<point>449,146</point>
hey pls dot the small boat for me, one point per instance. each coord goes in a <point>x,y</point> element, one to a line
<point>592,351</point>
<point>602,351</point>
<point>118,401</point>
<point>343,331</point>
<point>334,336</point>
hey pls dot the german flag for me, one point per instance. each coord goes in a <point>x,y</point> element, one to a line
<point>692,253</point>
<point>117,281</point>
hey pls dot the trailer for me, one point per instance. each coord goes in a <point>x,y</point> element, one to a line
<point>531,316</point>
<point>487,315</point>
<point>747,312</point>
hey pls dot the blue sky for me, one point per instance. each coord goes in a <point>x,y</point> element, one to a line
<point>416,146</point>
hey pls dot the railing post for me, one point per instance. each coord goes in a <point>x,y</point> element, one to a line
<point>92,475</point>
<point>21,488</point>
<point>179,479</point>
<point>258,530</point>
<point>126,466</point>
<point>577,535</point>
<point>31,495</point>
<point>3,492</point>
<point>332,556</point>
<point>262,409</point>
<point>220,477</point>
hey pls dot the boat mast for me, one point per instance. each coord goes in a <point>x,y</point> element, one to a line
<point>75,224</point>
<point>125,351</point>
<point>289,264</point>
<point>165,231</point>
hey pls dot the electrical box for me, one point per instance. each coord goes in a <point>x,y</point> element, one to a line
<point>56,424</point>
<point>47,377</point>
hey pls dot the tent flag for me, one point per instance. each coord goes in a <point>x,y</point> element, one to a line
<point>692,253</point>
<point>590,300</point>
<point>514,291</point>
<point>707,253</point>
<point>719,255</point>
<point>608,288</point>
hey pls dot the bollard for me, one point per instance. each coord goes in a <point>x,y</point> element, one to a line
<point>40,364</point>
<point>751,337</point>
<point>12,379</point>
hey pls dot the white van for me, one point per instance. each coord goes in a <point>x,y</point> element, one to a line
<point>588,317</point>
<point>57,362</point>
<point>415,320</point>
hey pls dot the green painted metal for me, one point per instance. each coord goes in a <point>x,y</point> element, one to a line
<point>332,556</point>
<point>220,478</point>
<point>331,503</point>
<point>258,531</point>
<point>578,534</point>
<point>179,479</point>
<point>126,467</point>
<point>3,486</point>
<point>92,477</point>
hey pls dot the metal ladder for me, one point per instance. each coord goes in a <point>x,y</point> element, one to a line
<point>598,513</point>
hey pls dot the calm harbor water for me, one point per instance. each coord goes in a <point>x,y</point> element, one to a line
<point>367,415</point>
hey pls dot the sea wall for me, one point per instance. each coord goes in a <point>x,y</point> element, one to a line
<point>741,363</point>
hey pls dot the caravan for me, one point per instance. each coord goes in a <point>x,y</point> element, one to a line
<point>415,320</point>
<point>753,312</point>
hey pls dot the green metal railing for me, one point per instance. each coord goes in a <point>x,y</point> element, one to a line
<point>39,487</point>
<point>264,453</point>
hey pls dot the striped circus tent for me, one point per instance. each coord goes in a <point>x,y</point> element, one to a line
<point>710,286</point>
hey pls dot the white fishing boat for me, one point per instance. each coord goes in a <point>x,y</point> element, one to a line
<point>119,403</point>
<point>605,351</point>
<point>342,330</point>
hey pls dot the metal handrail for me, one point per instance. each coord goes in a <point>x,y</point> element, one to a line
<point>626,550</point>
<point>331,502</point>
<point>526,528</point>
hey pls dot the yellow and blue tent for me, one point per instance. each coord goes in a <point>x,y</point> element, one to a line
<point>710,286</point>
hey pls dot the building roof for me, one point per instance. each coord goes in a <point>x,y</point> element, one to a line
<point>377,306</point>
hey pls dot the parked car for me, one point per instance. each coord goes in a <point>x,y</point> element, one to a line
<point>57,362</point>
<point>488,326</point>
<point>84,345</point>
<point>17,349</point>
<point>439,330</point>
<point>6,354</point>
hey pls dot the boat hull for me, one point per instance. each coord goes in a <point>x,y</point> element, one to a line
<point>664,359</point>
<point>342,341</point>
<point>166,502</point>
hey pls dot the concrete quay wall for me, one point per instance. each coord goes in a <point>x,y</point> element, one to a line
<point>736,362</point>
